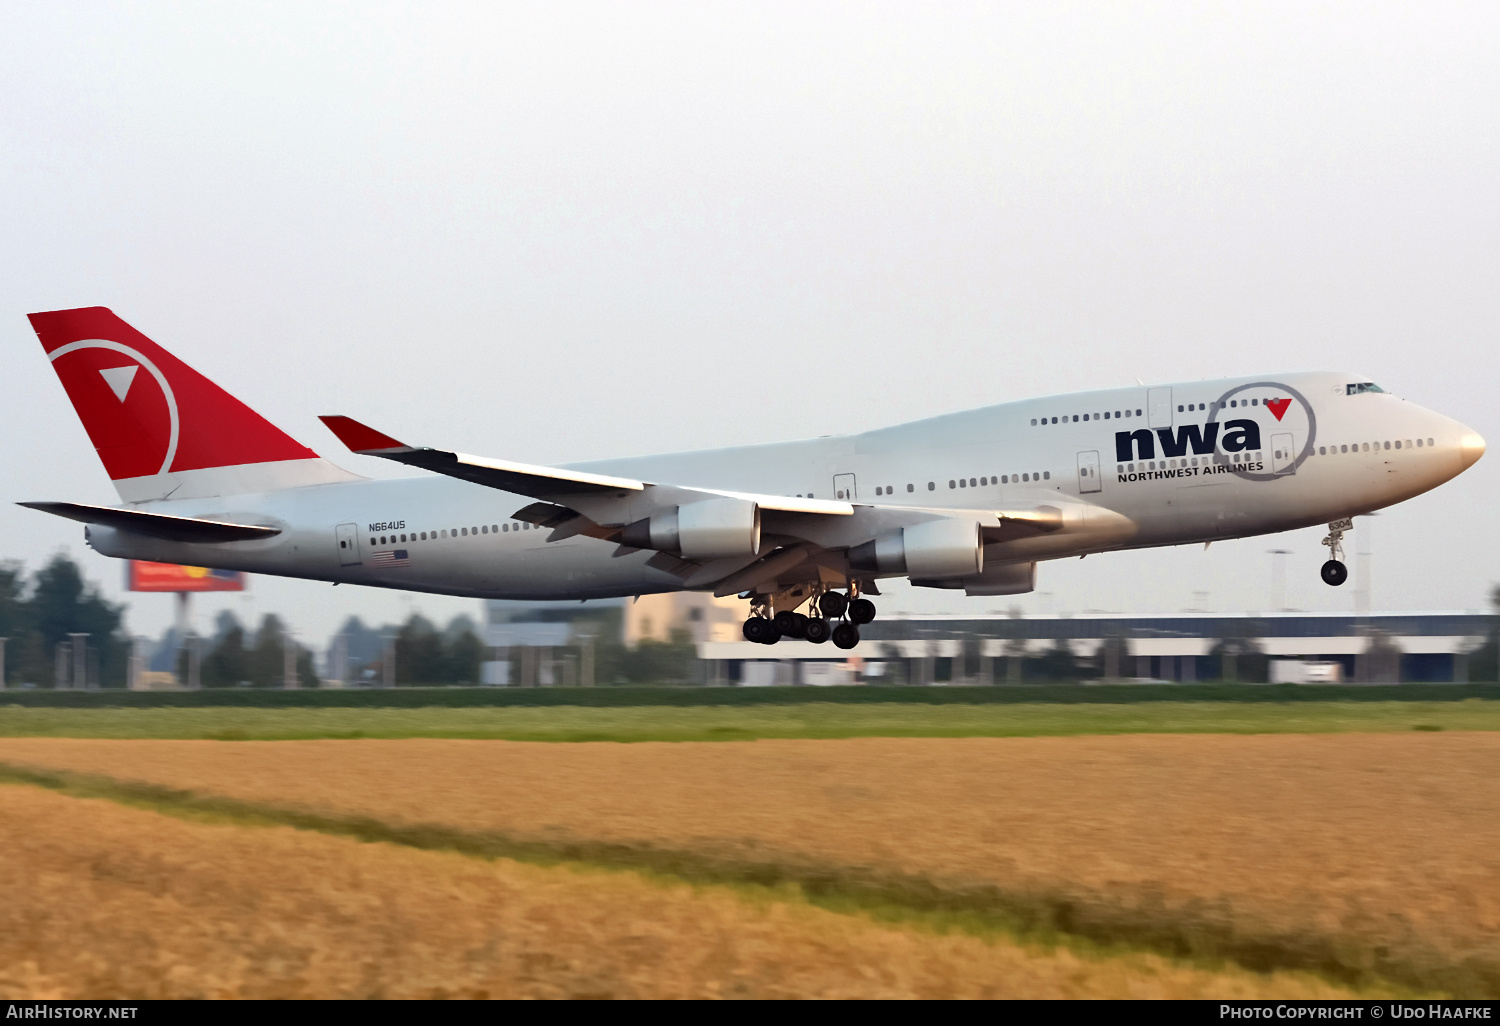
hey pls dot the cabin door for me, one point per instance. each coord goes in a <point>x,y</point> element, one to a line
<point>1159,407</point>
<point>348,537</point>
<point>843,487</point>
<point>1282,454</point>
<point>1088,472</point>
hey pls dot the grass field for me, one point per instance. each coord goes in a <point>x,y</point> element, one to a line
<point>1359,857</point>
<point>731,723</point>
<point>1053,693</point>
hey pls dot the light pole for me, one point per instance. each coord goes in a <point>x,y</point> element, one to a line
<point>1364,584</point>
<point>1278,578</point>
<point>80,660</point>
<point>288,661</point>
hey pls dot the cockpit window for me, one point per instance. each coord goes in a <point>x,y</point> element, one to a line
<point>1363,386</point>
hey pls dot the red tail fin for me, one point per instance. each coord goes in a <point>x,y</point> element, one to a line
<point>150,415</point>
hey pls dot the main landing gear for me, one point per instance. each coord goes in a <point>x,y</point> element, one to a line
<point>764,629</point>
<point>1334,572</point>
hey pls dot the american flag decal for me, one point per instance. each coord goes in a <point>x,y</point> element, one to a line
<point>391,557</point>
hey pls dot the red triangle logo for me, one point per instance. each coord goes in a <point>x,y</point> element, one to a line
<point>1278,406</point>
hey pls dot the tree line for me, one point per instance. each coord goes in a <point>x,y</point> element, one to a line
<point>39,613</point>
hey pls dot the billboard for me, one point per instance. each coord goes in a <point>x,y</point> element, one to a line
<point>141,575</point>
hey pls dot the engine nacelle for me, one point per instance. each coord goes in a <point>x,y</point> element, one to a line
<point>931,551</point>
<point>711,529</point>
<point>1002,579</point>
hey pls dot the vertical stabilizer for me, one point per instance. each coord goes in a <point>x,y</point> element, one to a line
<point>162,429</point>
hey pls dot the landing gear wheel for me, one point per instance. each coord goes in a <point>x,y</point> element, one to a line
<point>846,635</point>
<point>790,624</point>
<point>1334,573</point>
<point>817,630</point>
<point>832,604</point>
<point>772,634</point>
<point>862,610</point>
<point>755,629</point>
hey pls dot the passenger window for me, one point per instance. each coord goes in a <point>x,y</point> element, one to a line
<point>372,541</point>
<point>1179,408</point>
<point>984,482</point>
<point>911,487</point>
<point>1047,475</point>
<point>1387,445</point>
<point>1117,414</point>
<point>1054,420</point>
<point>1322,450</point>
<point>1137,413</point>
<point>1033,422</point>
<point>952,483</point>
<point>1254,402</point>
<point>1430,443</point>
<point>1026,477</point>
<point>931,486</point>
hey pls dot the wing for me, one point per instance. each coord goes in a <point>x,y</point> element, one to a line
<point>751,539</point>
<point>569,488</point>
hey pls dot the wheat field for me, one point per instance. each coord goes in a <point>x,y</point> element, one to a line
<point>101,900</point>
<point>1359,852</point>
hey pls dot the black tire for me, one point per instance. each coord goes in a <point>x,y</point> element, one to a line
<point>790,624</point>
<point>817,630</point>
<point>755,629</point>
<point>862,610</point>
<point>1334,573</point>
<point>845,636</point>
<point>833,604</point>
<point>772,634</point>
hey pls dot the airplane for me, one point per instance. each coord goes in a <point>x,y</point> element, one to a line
<point>968,501</point>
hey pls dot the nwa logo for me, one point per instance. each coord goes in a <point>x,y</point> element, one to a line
<point>1235,445</point>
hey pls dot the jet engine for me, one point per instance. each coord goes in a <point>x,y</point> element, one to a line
<point>934,550</point>
<point>711,529</point>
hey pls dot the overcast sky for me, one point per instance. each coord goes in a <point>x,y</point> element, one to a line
<point>558,232</point>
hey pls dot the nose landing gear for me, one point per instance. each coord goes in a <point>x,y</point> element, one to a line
<point>1334,572</point>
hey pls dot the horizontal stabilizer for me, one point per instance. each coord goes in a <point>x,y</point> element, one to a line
<point>155,525</point>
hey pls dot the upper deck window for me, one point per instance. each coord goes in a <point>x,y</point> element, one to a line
<point>1363,386</point>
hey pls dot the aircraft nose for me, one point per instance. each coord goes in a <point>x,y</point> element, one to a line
<point>1470,448</point>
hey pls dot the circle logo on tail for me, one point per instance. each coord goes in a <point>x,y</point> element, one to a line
<point>120,381</point>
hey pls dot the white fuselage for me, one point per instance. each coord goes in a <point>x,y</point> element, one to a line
<point>1316,454</point>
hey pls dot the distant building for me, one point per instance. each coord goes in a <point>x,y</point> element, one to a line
<point>703,617</point>
<point>1372,648</point>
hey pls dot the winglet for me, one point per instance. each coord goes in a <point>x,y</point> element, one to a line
<point>360,438</point>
